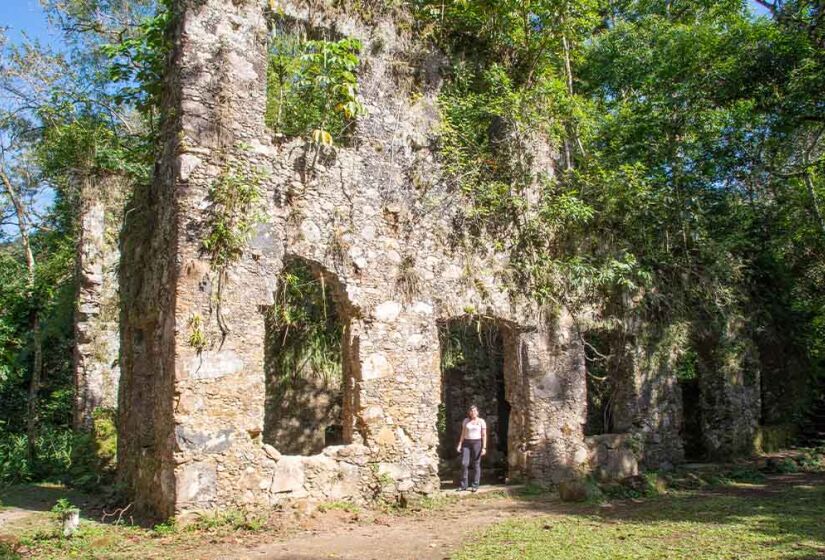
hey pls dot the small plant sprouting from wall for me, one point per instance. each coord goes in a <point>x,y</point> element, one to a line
<point>197,336</point>
<point>407,282</point>
<point>236,208</point>
<point>305,331</point>
<point>441,420</point>
<point>687,367</point>
<point>313,88</point>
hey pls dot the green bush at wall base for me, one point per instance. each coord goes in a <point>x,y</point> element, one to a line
<point>773,438</point>
<point>94,453</point>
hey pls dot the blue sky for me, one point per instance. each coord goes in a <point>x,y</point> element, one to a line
<point>26,16</point>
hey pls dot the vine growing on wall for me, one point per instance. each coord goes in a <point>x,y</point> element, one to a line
<point>236,207</point>
<point>513,143</point>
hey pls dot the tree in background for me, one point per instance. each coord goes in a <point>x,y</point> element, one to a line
<point>67,119</point>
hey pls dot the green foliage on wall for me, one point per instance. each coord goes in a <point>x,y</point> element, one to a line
<point>236,208</point>
<point>682,183</point>
<point>304,330</point>
<point>510,117</point>
<point>94,453</point>
<point>313,88</point>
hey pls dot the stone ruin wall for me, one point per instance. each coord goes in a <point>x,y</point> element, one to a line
<point>191,422</point>
<point>730,390</point>
<point>96,353</point>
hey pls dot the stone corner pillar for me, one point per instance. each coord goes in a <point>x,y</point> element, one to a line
<point>213,102</point>
<point>96,368</point>
<point>730,392</point>
<point>650,379</point>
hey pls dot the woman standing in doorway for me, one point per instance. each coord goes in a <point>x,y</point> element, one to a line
<point>473,446</point>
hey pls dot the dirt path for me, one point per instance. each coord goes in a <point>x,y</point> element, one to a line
<point>437,533</point>
<point>423,535</point>
<point>12,515</point>
<point>26,506</point>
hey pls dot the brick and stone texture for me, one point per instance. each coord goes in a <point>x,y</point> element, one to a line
<point>96,365</point>
<point>366,216</point>
<point>649,402</point>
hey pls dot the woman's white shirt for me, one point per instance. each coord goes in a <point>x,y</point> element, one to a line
<point>473,428</point>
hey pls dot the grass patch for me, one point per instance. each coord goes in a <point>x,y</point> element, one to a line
<point>92,540</point>
<point>166,528</point>
<point>225,520</point>
<point>758,525</point>
<point>646,485</point>
<point>434,502</point>
<point>810,460</point>
<point>339,505</point>
<point>7,552</point>
<point>532,489</point>
<point>95,540</point>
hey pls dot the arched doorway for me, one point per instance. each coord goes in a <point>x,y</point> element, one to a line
<point>306,338</point>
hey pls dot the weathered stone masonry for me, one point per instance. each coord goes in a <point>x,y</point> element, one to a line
<point>192,421</point>
<point>96,364</point>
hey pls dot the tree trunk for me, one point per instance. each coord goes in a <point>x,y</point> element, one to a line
<point>37,369</point>
<point>809,185</point>
<point>568,71</point>
<point>34,385</point>
<point>572,139</point>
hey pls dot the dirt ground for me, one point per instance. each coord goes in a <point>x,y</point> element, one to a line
<point>432,531</point>
<point>424,535</point>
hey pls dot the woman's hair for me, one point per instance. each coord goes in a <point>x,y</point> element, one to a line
<point>472,407</point>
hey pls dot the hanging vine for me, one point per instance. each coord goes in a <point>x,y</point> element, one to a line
<point>236,208</point>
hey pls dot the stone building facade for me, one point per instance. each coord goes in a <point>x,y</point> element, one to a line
<point>365,216</point>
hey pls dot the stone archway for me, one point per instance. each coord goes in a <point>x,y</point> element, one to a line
<point>306,363</point>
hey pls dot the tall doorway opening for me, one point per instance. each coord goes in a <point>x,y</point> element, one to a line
<point>687,375</point>
<point>304,365</point>
<point>472,373</point>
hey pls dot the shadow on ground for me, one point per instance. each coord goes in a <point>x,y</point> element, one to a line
<point>31,499</point>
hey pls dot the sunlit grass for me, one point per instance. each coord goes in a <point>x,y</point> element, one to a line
<point>754,525</point>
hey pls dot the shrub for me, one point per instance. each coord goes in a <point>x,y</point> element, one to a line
<point>94,453</point>
<point>313,87</point>
<point>812,460</point>
<point>787,466</point>
<point>745,474</point>
<point>14,465</point>
<point>52,455</point>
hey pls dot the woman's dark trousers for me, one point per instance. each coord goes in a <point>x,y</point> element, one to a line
<point>471,452</point>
